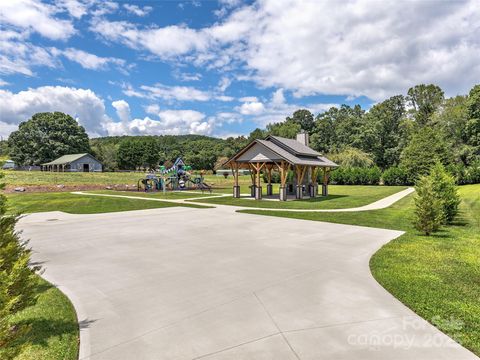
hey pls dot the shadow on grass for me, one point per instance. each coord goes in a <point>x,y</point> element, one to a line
<point>323,198</point>
<point>38,327</point>
<point>40,330</point>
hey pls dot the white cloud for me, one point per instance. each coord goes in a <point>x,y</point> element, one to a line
<point>171,122</point>
<point>82,104</point>
<point>74,7</point>
<point>19,56</point>
<point>369,48</point>
<point>251,108</point>
<point>105,7</point>
<point>248,99</point>
<point>152,109</point>
<point>4,83</point>
<point>277,109</point>
<point>173,93</point>
<point>278,98</point>
<point>224,83</point>
<point>137,10</point>
<point>164,42</point>
<point>88,60</point>
<point>6,129</point>
<point>89,110</point>
<point>123,110</point>
<point>180,93</point>
<point>224,98</point>
<point>182,76</point>
<point>33,15</point>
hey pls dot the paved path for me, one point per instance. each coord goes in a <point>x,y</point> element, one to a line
<point>380,204</point>
<point>184,283</point>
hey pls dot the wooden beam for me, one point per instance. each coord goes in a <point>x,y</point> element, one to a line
<point>284,168</point>
<point>252,172</point>
<point>234,167</point>
<point>300,171</point>
<point>314,174</point>
<point>326,172</point>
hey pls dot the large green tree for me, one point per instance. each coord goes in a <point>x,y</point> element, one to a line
<point>106,153</point>
<point>425,100</point>
<point>426,147</point>
<point>338,128</point>
<point>130,154</point>
<point>256,134</point>
<point>472,128</point>
<point>304,118</point>
<point>382,131</point>
<point>287,129</point>
<point>45,137</point>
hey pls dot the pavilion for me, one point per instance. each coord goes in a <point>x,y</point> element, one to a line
<point>281,154</point>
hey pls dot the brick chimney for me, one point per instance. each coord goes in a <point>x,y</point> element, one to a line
<point>302,137</point>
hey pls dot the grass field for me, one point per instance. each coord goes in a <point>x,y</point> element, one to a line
<point>340,196</point>
<point>169,195</point>
<point>39,178</point>
<point>54,329</point>
<point>436,276</point>
<point>78,204</point>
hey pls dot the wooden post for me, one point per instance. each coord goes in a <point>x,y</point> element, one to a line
<point>284,167</point>
<point>313,188</point>
<point>236,187</point>
<point>326,172</point>
<point>236,174</point>
<point>258,187</point>
<point>300,172</point>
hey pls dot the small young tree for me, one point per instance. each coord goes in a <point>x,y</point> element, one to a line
<point>428,207</point>
<point>17,280</point>
<point>446,191</point>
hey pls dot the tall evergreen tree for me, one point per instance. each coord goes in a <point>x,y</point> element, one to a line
<point>17,281</point>
<point>428,208</point>
<point>382,131</point>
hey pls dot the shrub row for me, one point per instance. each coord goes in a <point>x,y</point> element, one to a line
<point>466,175</point>
<point>390,177</point>
<point>356,176</point>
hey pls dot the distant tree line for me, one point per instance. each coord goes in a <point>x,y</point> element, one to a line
<point>148,152</point>
<point>401,137</point>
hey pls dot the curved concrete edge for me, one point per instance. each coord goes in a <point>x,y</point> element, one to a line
<point>414,314</point>
<point>84,333</point>
<point>176,201</point>
<point>377,205</point>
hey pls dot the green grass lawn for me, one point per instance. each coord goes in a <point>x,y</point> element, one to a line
<point>79,204</point>
<point>38,178</point>
<point>340,196</point>
<point>25,178</point>
<point>54,331</point>
<point>438,276</point>
<point>169,195</point>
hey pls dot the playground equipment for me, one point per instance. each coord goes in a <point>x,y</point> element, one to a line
<point>150,183</point>
<point>176,177</point>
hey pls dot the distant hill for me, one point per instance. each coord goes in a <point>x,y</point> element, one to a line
<point>199,151</point>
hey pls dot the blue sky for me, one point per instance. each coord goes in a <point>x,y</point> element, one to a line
<point>223,68</point>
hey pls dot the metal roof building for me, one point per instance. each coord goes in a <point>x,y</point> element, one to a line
<point>74,163</point>
<point>283,155</point>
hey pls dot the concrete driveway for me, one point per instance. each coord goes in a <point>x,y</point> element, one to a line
<point>182,283</point>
